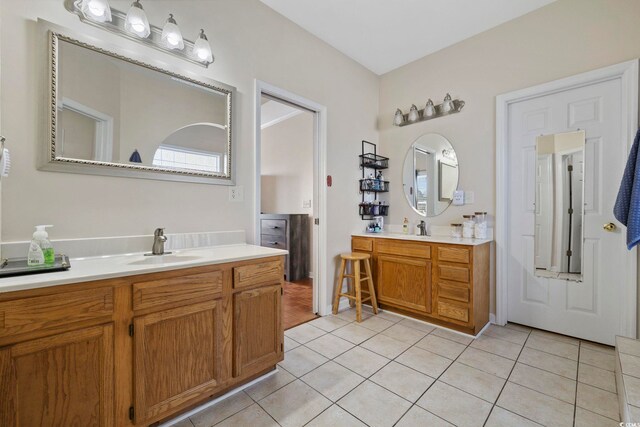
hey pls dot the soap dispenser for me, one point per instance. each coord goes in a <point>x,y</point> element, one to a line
<point>41,237</point>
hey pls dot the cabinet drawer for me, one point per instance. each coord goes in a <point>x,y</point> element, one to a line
<point>176,290</point>
<point>274,227</point>
<point>454,292</point>
<point>49,311</point>
<point>359,244</point>
<point>449,254</point>
<point>455,273</point>
<point>453,311</point>
<point>262,273</point>
<point>278,242</point>
<point>404,248</point>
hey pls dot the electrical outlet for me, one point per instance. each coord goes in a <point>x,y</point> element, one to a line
<point>306,203</point>
<point>469,197</point>
<point>236,193</point>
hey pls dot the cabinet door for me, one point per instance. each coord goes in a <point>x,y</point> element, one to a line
<point>404,282</point>
<point>177,357</point>
<point>61,380</point>
<point>257,330</point>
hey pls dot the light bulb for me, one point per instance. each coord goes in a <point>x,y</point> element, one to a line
<point>171,35</point>
<point>429,110</point>
<point>202,49</point>
<point>136,21</point>
<point>447,105</point>
<point>96,10</point>
<point>398,118</point>
<point>413,113</point>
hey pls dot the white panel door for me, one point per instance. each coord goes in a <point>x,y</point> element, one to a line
<point>587,309</point>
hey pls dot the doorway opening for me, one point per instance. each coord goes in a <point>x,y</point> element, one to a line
<point>288,196</point>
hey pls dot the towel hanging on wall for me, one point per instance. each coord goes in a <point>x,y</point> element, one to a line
<point>627,207</point>
<point>135,157</point>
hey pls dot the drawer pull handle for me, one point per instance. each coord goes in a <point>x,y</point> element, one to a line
<point>275,227</point>
<point>273,243</point>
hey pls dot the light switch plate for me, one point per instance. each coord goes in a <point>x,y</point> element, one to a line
<point>306,203</point>
<point>236,193</point>
<point>458,197</point>
<point>469,197</point>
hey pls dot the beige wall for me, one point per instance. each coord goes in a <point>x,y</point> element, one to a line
<point>564,38</point>
<point>250,41</point>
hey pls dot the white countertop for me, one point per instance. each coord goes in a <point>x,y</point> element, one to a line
<point>108,267</point>
<point>435,239</point>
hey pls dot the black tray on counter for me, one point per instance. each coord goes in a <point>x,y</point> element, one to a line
<point>18,266</point>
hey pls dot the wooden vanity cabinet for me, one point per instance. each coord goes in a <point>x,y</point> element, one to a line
<point>441,283</point>
<point>139,349</point>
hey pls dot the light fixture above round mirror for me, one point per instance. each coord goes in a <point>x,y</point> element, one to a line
<point>430,174</point>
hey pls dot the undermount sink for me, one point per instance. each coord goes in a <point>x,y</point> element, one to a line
<point>164,259</point>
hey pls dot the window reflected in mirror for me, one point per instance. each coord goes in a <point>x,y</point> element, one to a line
<point>559,208</point>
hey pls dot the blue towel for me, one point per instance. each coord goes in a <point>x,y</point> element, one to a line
<point>135,157</point>
<point>627,208</point>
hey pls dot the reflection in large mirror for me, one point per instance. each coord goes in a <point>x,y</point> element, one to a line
<point>114,115</point>
<point>559,212</point>
<point>430,174</point>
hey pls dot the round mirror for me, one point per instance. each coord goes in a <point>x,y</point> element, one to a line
<point>430,174</point>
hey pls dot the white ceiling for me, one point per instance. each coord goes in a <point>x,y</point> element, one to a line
<point>273,112</point>
<point>385,34</point>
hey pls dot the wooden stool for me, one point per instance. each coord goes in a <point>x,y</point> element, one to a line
<point>354,292</point>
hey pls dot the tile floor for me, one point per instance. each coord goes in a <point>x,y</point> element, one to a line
<point>392,371</point>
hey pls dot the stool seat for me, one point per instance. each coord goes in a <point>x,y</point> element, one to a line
<point>354,288</point>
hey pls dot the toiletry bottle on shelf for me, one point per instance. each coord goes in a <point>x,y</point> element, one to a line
<point>35,257</point>
<point>42,238</point>
<point>405,226</point>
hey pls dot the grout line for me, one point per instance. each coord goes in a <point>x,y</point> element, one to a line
<point>575,405</point>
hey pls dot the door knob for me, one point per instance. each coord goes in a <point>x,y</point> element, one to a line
<point>609,227</point>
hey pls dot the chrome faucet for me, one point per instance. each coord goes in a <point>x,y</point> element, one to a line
<point>158,242</point>
<point>423,228</point>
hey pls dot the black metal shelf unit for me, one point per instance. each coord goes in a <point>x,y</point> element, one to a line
<point>371,187</point>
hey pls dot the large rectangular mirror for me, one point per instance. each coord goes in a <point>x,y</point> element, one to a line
<point>113,115</point>
<point>559,212</point>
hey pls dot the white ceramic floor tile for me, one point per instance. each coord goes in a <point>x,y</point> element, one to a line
<point>354,333</point>
<point>555,337</point>
<point>374,405</point>
<point>375,323</point>
<point>452,336</point>
<point>304,333</point>
<point>183,423</point>
<point>424,361</point>
<point>536,406</point>
<point>362,361</point>
<point>329,323</point>
<point>332,380</point>
<point>549,362</point>
<point>404,333</point>
<point>455,406</point>
<point>597,377</point>
<point>487,362</point>
<point>253,416</point>
<point>335,416</point>
<point>290,344</point>
<point>473,381</point>
<point>441,346</point>
<point>329,345</point>
<point>553,385</point>
<point>551,346</point>
<point>387,315</point>
<point>630,364</point>
<point>403,381</point>
<point>221,410</point>
<point>598,347</point>
<point>632,389</point>
<point>518,327</point>
<point>301,360</point>
<point>268,385</point>
<point>599,401</point>
<point>598,359</point>
<point>586,418</point>
<point>502,418</point>
<point>350,314</point>
<point>419,417</point>
<point>295,404</point>
<point>506,334</point>
<point>628,346</point>
<point>497,346</point>
<point>417,324</point>
<point>386,346</point>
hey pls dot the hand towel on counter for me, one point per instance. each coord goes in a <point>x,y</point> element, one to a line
<point>627,207</point>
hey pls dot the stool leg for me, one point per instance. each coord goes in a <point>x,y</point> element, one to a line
<point>336,297</point>
<point>356,281</point>
<point>350,288</point>
<point>374,301</point>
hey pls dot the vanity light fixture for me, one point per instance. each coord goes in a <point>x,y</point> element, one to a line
<point>96,10</point>
<point>134,25</point>
<point>136,21</point>
<point>430,111</point>
<point>171,35</point>
<point>202,48</point>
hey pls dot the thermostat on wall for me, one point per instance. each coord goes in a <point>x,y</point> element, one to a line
<point>458,197</point>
